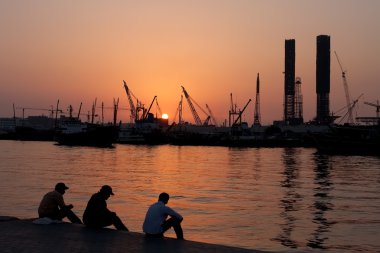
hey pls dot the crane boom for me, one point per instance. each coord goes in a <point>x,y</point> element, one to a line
<point>372,104</point>
<point>241,112</point>
<point>158,108</point>
<point>375,105</point>
<point>131,104</point>
<point>211,115</point>
<point>80,108</point>
<point>147,112</point>
<point>345,85</point>
<point>197,119</point>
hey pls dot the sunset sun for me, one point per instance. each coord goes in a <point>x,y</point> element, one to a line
<point>165,116</point>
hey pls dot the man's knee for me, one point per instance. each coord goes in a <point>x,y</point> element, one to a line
<point>177,220</point>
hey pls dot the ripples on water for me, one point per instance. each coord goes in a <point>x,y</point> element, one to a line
<point>259,198</point>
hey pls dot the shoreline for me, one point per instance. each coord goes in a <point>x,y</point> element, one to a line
<point>22,235</point>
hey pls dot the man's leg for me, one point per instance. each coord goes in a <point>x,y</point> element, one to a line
<point>119,225</point>
<point>72,217</point>
<point>176,224</point>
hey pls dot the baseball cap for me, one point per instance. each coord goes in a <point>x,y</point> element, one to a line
<point>61,186</point>
<point>106,189</point>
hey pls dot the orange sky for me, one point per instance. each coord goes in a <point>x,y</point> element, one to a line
<point>76,51</point>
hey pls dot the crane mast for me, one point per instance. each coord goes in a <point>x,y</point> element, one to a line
<point>180,119</point>
<point>115,109</point>
<point>197,119</point>
<point>232,112</point>
<point>345,85</point>
<point>93,110</point>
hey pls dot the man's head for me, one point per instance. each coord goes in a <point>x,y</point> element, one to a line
<point>106,190</point>
<point>61,188</point>
<point>164,197</point>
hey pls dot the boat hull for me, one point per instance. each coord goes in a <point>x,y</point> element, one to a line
<point>93,135</point>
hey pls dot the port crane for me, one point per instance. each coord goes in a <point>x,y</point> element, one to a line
<point>131,104</point>
<point>93,110</point>
<point>135,109</point>
<point>190,101</point>
<point>179,112</point>
<point>350,119</point>
<point>232,111</point>
<point>115,109</point>
<point>238,119</point>
<point>145,116</point>
<point>158,108</point>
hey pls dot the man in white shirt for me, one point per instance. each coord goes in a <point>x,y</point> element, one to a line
<point>156,222</point>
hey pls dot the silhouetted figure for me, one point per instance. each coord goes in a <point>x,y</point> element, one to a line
<point>53,206</point>
<point>97,214</point>
<point>156,222</point>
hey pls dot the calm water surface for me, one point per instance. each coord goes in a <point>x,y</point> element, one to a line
<point>281,199</point>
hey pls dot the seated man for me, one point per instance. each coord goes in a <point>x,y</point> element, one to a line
<point>156,222</point>
<point>97,214</point>
<point>53,206</point>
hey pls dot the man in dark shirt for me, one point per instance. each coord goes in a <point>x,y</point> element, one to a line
<point>97,214</point>
<point>53,206</point>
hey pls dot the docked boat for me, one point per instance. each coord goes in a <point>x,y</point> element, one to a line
<point>129,134</point>
<point>73,132</point>
<point>188,134</point>
<point>349,140</point>
<point>32,128</point>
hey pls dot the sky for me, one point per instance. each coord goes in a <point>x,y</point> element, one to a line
<point>78,51</point>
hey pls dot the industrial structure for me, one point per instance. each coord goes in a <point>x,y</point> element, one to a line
<point>292,97</point>
<point>323,80</point>
<point>289,76</point>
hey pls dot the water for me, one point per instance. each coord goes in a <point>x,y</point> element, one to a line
<point>280,199</point>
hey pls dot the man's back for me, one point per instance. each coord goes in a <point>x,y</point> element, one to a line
<point>96,207</point>
<point>50,203</point>
<point>156,215</point>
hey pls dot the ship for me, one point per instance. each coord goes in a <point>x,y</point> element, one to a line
<point>151,130</point>
<point>32,128</point>
<point>74,132</point>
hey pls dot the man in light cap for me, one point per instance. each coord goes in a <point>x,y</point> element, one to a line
<point>53,206</point>
<point>97,214</point>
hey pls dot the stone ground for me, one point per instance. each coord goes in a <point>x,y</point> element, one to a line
<point>24,236</point>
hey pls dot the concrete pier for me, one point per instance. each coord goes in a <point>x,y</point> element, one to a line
<point>25,236</point>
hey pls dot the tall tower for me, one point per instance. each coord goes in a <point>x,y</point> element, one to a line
<point>323,79</point>
<point>290,63</point>
<point>257,116</point>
